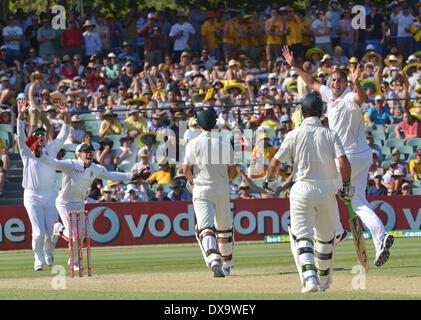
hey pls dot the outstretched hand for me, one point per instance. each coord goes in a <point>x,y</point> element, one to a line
<point>355,73</point>
<point>22,105</point>
<point>63,106</point>
<point>289,56</point>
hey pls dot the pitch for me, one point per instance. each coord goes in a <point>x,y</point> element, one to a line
<point>262,271</point>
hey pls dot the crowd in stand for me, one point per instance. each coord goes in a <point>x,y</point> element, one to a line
<point>144,76</point>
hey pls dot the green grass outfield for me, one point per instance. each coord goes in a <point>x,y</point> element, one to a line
<point>262,271</point>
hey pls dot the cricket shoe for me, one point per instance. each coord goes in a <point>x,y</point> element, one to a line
<point>49,261</point>
<point>340,237</point>
<point>58,230</point>
<point>383,254</point>
<point>323,283</point>
<point>311,285</point>
<point>226,271</point>
<point>38,267</point>
<point>217,269</point>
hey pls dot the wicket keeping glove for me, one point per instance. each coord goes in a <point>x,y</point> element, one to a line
<point>189,186</point>
<point>347,192</point>
<point>270,185</point>
<point>145,173</point>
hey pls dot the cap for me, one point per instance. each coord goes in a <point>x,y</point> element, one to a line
<point>369,135</point>
<point>353,60</point>
<point>321,73</point>
<point>143,152</point>
<point>38,129</point>
<point>395,151</point>
<point>21,96</point>
<point>86,147</point>
<point>418,153</point>
<point>111,55</point>
<point>107,188</point>
<point>405,185</point>
<point>398,172</point>
<point>273,76</point>
<point>380,97</point>
<point>3,48</point>
<point>133,109</point>
<point>280,59</point>
<point>369,47</point>
<point>151,16</point>
<point>377,174</point>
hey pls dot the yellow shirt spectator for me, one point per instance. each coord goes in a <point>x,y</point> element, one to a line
<point>160,177</point>
<point>135,122</point>
<point>3,145</point>
<point>115,128</point>
<point>230,32</point>
<point>415,167</point>
<point>295,34</point>
<point>276,27</point>
<point>270,124</point>
<point>209,28</point>
<point>219,25</point>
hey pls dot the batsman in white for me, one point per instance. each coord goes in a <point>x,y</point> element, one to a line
<point>208,166</point>
<point>313,207</point>
<point>346,119</point>
<point>39,182</point>
<point>78,176</point>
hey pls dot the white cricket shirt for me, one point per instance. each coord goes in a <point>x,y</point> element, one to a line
<point>77,180</point>
<point>346,119</point>
<point>314,149</point>
<point>38,177</point>
<point>210,154</point>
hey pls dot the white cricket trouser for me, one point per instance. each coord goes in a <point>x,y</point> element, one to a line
<point>212,209</point>
<point>42,214</point>
<point>63,208</point>
<point>314,211</point>
<point>360,164</point>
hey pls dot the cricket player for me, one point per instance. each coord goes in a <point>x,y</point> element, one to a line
<point>39,183</point>
<point>313,207</point>
<point>78,176</point>
<point>346,119</point>
<point>208,166</point>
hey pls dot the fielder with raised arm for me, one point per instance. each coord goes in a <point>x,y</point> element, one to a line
<point>78,176</point>
<point>208,167</point>
<point>39,183</point>
<point>313,207</point>
<point>346,119</point>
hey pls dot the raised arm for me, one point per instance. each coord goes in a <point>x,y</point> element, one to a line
<point>56,144</point>
<point>360,97</point>
<point>308,78</point>
<point>23,106</point>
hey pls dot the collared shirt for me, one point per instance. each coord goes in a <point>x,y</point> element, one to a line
<point>92,43</point>
<point>314,149</point>
<point>77,179</point>
<point>37,176</point>
<point>346,119</point>
<point>381,117</point>
<point>210,154</point>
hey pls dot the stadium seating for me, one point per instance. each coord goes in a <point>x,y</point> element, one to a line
<point>394,143</point>
<point>127,167</point>
<point>116,139</point>
<point>416,191</point>
<point>416,142</point>
<point>5,136</point>
<point>70,147</point>
<point>7,128</point>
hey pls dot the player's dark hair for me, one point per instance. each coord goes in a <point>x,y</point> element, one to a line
<point>343,75</point>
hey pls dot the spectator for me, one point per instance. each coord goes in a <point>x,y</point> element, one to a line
<point>377,189</point>
<point>151,35</point>
<point>376,29</point>
<point>149,142</point>
<point>68,69</point>
<point>406,189</point>
<point>135,123</point>
<point>141,21</point>
<point>110,125</point>
<point>12,35</point>
<point>379,114</point>
<point>107,194</point>
<point>388,176</point>
<point>79,106</point>
<point>244,191</point>
<point>400,165</point>
<point>209,38</point>
<point>322,29</point>
<point>415,166</point>
<point>105,154</point>
<point>77,90</point>
<point>72,39</point>
<point>182,33</point>
<point>37,116</point>
<point>411,128</point>
<point>126,154</point>
<point>178,192</point>
<point>347,33</point>
<point>294,34</point>
<point>159,194</point>
<point>405,39</point>
<point>334,16</point>
<point>133,194</point>
<point>103,32</point>
<point>115,33</point>
<point>274,29</point>
<point>55,122</point>
<point>46,37</point>
<point>127,75</point>
<point>88,139</point>
<point>163,175</point>
<point>399,181</point>
<point>76,132</point>
<point>92,41</point>
<point>374,147</point>
<point>96,79</point>
<point>397,114</point>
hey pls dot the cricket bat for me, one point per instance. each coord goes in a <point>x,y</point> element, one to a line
<point>358,237</point>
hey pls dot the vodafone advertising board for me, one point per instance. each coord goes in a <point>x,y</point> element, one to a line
<point>174,221</point>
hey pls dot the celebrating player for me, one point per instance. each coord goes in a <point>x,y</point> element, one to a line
<point>345,118</point>
<point>212,160</point>
<point>78,176</point>
<point>39,183</point>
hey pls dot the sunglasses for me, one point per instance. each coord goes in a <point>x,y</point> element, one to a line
<point>107,191</point>
<point>40,133</point>
<point>88,152</point>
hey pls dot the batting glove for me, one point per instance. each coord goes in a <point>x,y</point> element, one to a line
<point>145,173</point>
<point>347,192</point>
<point>189,186</point>
<point>270,185</point>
